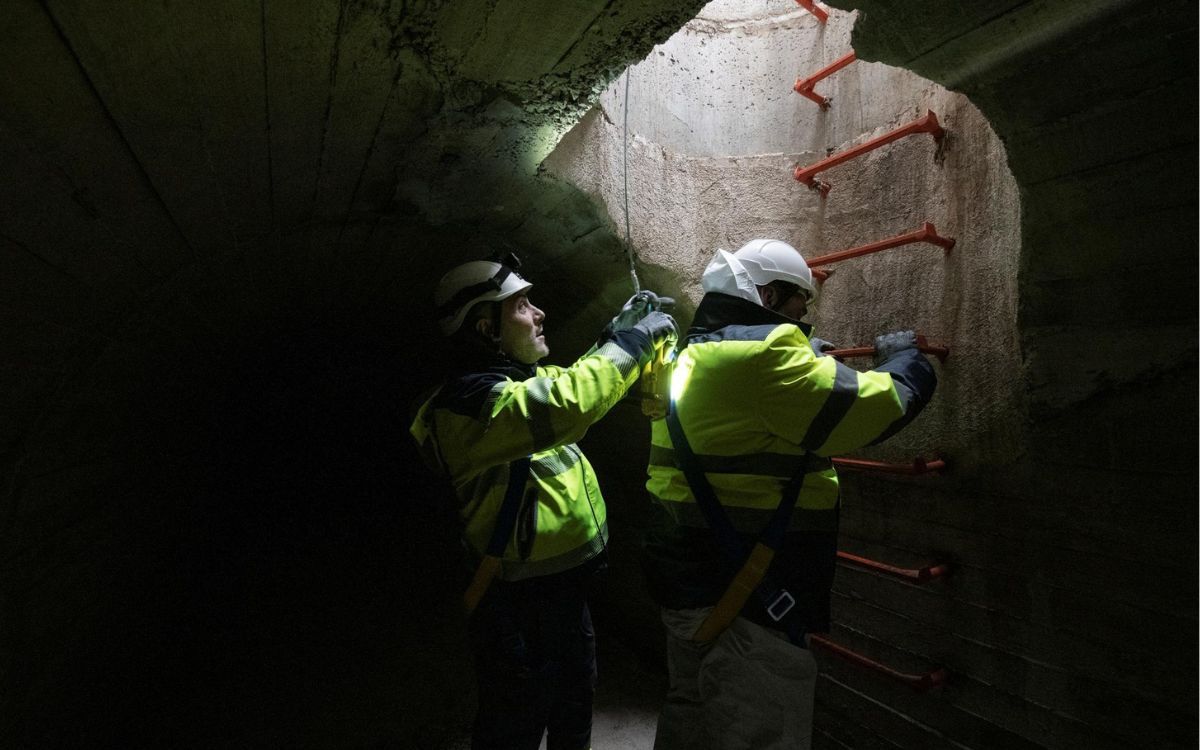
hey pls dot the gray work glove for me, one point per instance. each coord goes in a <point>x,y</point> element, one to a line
<point>890,344</point>
<point>661,328</point>
<point>637,307</point>
<point>820,346</point>
<point>661,303</point>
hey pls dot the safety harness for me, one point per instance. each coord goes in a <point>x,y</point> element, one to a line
<point>506,519</point>
<point>751,576</point>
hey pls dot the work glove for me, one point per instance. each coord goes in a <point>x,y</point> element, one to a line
<point>890,344</point>
<point>820,346</point>
<point>660,328</point>
<point>661,303</point>
<point>638,306</point>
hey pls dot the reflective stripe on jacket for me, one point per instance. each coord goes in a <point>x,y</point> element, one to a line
<point>756,404</point>
<point>475,424</point>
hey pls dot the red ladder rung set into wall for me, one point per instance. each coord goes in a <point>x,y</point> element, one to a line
<point>813,8</point>
<point>923,345</point>
<point>804,86</point>
<point>928,234</point>
<point>916,468</point>
<point>918,682</point>
<point>912,575</point>
<point>808,175</point>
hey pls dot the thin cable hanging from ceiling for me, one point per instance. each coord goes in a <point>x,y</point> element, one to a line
<point>637,287</point>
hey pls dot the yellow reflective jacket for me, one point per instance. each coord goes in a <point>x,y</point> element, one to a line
<point>475,424</point>
<point>757,405</point>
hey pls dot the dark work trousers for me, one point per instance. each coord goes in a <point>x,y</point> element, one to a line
<point>535,659</point>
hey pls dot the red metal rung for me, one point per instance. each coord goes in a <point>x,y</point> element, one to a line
<point>923,346</point>
<point>804,86</point>
<point>918,682</point>
<point>917,467</point>
<point>927,233</point>
<point>927,124</point>
<point>913,575</point>
<point>811,7</point>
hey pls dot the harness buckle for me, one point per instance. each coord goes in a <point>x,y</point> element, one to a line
<point>779,606</point>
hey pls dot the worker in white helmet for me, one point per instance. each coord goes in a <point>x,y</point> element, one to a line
<point>742,557</point>
<point>503,428</point>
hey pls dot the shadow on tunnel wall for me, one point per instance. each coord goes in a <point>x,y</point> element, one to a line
<point>261,560</point>
<point>215,528</point>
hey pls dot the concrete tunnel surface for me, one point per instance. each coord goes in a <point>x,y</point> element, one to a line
<point>220,228</point>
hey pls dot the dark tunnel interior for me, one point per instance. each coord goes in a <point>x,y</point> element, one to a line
<point>251,549</point>
<point>268,545</point>
<point>214,528</point>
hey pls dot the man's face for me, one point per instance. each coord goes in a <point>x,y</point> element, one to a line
<point>521,330</point>
<point>794,306</point>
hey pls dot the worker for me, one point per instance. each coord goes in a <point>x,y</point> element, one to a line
<point>501,421</point>
<point>741,474</point>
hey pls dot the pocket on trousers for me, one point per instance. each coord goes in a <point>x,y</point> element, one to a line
<point>773,654</point>
<point>754,687</point>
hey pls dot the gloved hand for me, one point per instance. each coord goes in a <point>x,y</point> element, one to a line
<point>659,302</point>
<point>661,328</point>
<point>890,344</point>
<point>638,306</point>
<point>820,346</point>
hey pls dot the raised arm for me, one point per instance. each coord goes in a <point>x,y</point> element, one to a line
<point>829,408</point>
<point>492,419</point>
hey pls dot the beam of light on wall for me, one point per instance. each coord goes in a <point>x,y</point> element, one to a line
<point>545,139</point>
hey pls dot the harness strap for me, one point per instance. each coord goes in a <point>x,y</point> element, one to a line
<point>751,567</point>
<point>506,519</point>
<point>737,594</point>
<point>706,498</point>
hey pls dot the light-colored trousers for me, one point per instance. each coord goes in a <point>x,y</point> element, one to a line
<point>750,689</point>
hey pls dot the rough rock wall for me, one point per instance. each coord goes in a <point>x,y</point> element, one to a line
<point>1091,534</point>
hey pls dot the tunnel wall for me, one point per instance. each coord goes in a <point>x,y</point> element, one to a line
<point>1090,100</point>
<point>219,224</point>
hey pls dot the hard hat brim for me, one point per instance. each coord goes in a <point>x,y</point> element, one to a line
<point>512,284</point>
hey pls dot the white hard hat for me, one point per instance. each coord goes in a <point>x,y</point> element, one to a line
<point>726,275</point>
<point>775,260</point>
<point>465,285</point>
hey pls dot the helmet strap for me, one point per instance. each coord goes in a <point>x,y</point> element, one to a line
<point>487,336</point>
<point>496,323</point>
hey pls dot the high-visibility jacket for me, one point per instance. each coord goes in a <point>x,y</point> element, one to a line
<point>476,423</point>
<point>757,405</point>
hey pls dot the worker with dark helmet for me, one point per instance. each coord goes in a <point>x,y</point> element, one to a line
<point>503,429</point>
<point>742,557</point>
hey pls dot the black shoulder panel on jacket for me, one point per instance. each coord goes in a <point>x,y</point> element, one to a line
<point>467,394</point>
<point>718,310</point>
<point>734,333</point>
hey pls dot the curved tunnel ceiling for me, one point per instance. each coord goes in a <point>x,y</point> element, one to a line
<point>217,225</point>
